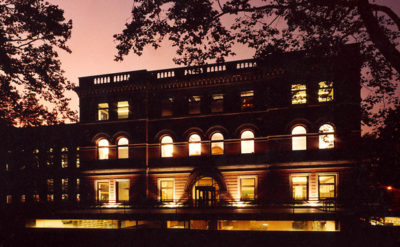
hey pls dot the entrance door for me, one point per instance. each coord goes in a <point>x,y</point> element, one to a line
<point>205,196</point>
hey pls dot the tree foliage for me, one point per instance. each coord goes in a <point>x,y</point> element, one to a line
<point>204,30</point>
<point>31,80</point>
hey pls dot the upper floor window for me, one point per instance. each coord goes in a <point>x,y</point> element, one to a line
<point>123,109</point>
<point>217,103</point>
<point>36,158</point>
<point>167,107</point>
<point>246,100</point>
<point>194,145</point>
<point>325,91</point>
<point>103,111</point>
<point>64,157</point>
<point>194,104</point>
<point>50,157</point>
<point>299,138</point>
<point>326,136</point>
<point>78,159</point>
<point>247,142</point>
<point>123,149</point>
<point>217,144</point>
<point>167,146</point>
<point>103,149</point>
<point>299,94</point>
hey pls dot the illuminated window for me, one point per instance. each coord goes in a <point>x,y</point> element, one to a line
<point>167,146</point>
<point>9,199</point>
<point>123,109</point>
<point>103,111</point>
<point>78,185</point>
<point>166,192</point>
<point>299,138</point>
<point>122,190</point>
<point>103,193</point>
<point>78,159</point>
<point>247,100</point>
<point>300,187</point>
<point>247,189</point>
<point>194,145</point>
<point>325,91</point>
<point>50,197</point>
<point>64,157</point>
<point>247,142</point>
<point>327,186</point>
<point>299,94</point>
<point>217,103</point>
<point>36,159</point>
<point>194,104</point>
<point>36,197</point>
<point>23,198</point>
<point>64,197</point>
<point>217,144</point>
<point>50,157</point>
<point>326,137</point>
<point>167,105</point>
<point>50,190</point>
<point>103,149</point>
<point>123,149</point>
<point>64,185</point>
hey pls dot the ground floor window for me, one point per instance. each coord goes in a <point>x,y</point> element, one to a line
<point>300,187</point>
<point>103,191</point>
<point>122,190</point>
<point>112,191</point>
<point>166,192</point>
<point>326,186</point>
<point>247,188</point>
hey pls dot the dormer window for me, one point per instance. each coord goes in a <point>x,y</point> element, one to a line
<point>247,100</point>
<point>194,104</point>
<point>103,111</point>
<point>123,109</point>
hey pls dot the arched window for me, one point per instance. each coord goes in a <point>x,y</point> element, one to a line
<point>167,147</point>
<point>217,144</point>
<point>326,136</point>
<point>194,145</point>
<point>247,142</point>
<point>103,149</point>
<point>123,149</point>
<point>299,138</point>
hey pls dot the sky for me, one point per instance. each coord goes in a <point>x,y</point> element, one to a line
<point>93,47</point>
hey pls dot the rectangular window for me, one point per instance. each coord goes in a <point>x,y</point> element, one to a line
<point>217,103</point>
<point>122,191</point>
<point>300,187</point>
<point>325,91</point>
<point>103,111</point>
<point>36,197</point>
<point>50,157</point>
<point>23,198</point>
<point>50,197</point>
<point>247,189</point>
<point>64,197</point>
<point>299,94</point>
<point>327,186</point>
<point>166,193</point>
<point>78,160</point>
<point>167,105</point>
<point>50,185</point>
<point>194,104</point>
<point>9,199</point>
<point>123,109</point>
<point>64,157</point>
<point>64,185</point>
<point>36,159</point>
<point>103,191</point>
<point>247,100</point>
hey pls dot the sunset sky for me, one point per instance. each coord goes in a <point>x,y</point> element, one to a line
<point>93,48</point>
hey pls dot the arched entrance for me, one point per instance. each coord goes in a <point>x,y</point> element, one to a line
<point>205,192</point>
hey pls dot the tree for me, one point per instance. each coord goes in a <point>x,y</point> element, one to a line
<point>204,30</point>
<point>31,80</point>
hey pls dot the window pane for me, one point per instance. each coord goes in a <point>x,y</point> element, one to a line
<point>167,148</point>
<point>123,149</point>
<point>123,191</point>
<point>194,145</point>
<point>103,191</point>
<point>300,187</point>
<point>325,91</point>
<point>123,109</point>
<point>299,142</point>
<point>167,107</point>
<point>327,186</point>
<point>103,149</point>
<point>64,157</point>
<point>247,189</point>
<point>247,100</point>
<point>103,111</point>
<point>217,103</point>
<point>217,144</point>
<point>327,140</point>
<point>299,94</point>
<point>166,190</point>
<point>194,104</point>
<point>247,142</point>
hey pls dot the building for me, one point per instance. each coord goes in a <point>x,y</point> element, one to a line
<point>280,132</point>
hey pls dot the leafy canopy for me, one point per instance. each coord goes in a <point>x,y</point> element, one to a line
<point>204,30</point>
<point>31,79</point>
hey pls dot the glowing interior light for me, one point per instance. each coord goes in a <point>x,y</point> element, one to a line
<point>123,149</point>
<point>103,149</point>
<point>194,145</point>
<point>299,94</point>
<point>299,139</point>
<point>123,109</point>
<point>217,144</point>
<point>167,147</point>
<point>247,142</point>
<point>326,137</point>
